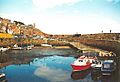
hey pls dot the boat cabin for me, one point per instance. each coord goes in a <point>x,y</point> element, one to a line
<point>82,61</point>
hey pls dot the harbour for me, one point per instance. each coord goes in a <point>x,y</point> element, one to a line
<point>47,65</point>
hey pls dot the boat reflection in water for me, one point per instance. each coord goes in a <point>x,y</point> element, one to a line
<point>96,75</point>
<point>76,75</point>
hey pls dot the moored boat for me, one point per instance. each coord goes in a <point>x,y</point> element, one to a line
<point>16,47</point>
<point>3,77</point>
<point>108,67</point>
<point>29,47</point>
<point>3,49</point>
<point>96,65</point>
<point>46,45</point>
<point>82,63</point>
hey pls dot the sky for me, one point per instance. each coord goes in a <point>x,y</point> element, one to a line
<point>65,16</point>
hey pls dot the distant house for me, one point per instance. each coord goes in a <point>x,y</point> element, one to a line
<point>76,35</point>
<point>3,28</point>
<point>10,31</point>
<point>37,37</point>
<point>20,36</point>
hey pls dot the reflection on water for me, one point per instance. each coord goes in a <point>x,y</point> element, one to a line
<point>54,68</point>
<point>96,75</point>
<point>58,75</point>
<point>76,75</point>
<point>51,65</point>
<point>3,79</point>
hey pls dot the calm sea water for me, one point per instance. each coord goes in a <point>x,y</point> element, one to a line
<point>47,65</point>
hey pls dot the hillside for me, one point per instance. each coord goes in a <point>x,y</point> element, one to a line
<point>17,27</point>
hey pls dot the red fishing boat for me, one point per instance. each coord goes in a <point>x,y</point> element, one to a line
<point>82,63</point>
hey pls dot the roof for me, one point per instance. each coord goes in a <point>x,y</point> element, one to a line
<point>6,35</point>
<point>108,61</point>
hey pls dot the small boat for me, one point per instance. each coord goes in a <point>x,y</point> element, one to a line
<point>29,47</point>
<point>3,49</point>
<point>96,65</point>
<point>82,63</point>
<point>16,47</point>
<point>46,45</point>
<point>2,77</point>
<point>108,67</point>
<point>107,54</point>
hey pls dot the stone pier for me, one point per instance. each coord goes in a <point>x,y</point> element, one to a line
<point>98,45</point>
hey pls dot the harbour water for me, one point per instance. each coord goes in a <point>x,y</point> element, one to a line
<point>47,65</point>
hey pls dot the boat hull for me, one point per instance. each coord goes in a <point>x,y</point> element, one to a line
<point>46,45</point>
<point>107,72</point>
<point>81,67</point>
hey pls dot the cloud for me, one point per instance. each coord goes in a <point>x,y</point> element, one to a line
<point>61,24</point>
<point>45,4</point>
<point>19,17</point>
<point>57,22</point>
<point>52,74</point>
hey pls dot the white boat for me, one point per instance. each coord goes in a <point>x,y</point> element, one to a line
<point>16,47</point>
<point>46,45</point>
<point>96,64</point>
<point>2,49</point>
<point>29,48</point>
<point>107,54</point>
<point>2,75</point>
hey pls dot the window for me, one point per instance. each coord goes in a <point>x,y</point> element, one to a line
<point>106,65</point>
<point>80,60</point>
